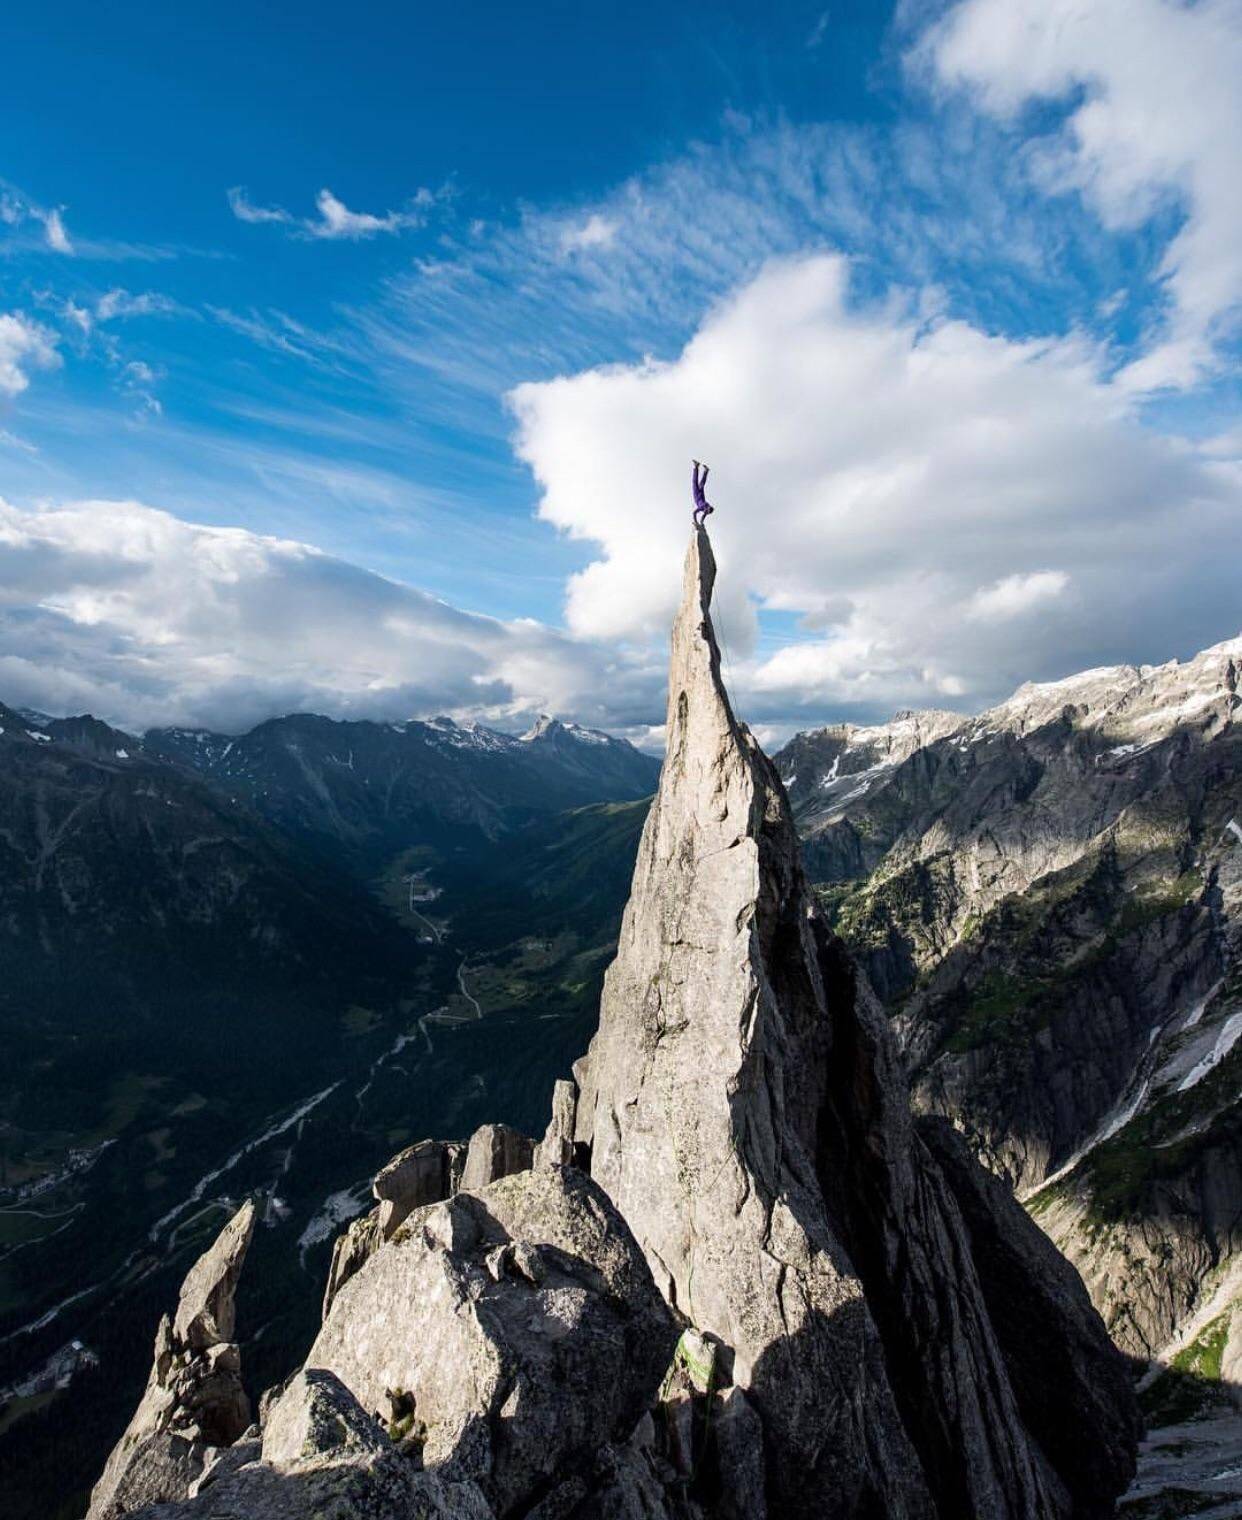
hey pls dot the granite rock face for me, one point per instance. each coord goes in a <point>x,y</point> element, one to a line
<point>423,1173</point>
<point>516,1329</point>
<point>557,1146</point>
<point>495,1151</point>
<point>420,1174</point>
<point>747,1112</point>
<point>194,1398</point>
<point>323,1455</point>
<point>774,1297</point>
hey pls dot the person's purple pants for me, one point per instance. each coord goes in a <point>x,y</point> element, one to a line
<point>701,504</point>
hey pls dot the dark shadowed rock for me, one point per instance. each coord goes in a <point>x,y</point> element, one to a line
<point>1073,1387</point>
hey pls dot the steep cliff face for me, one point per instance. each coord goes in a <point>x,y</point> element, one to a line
<point>773,1296</point>
<point>1048,897</point>
<point>745,1110</point>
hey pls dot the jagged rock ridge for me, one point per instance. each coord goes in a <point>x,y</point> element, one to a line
<point>854,1301</point>
<point>194,1401</point>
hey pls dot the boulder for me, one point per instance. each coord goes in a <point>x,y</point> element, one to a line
<point>194,1398</point>
<point>323,1455</point>
<point>495,1151</point>
<point>420,1174</point>
<point>516,1330</point>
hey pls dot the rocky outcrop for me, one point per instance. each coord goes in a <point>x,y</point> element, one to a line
<point>194,1398</point>
<point>517,1329</point>
<point>495,1151</point>
<point>772,1298</point>
<point>423,1173</point>
<point>746,1112</point>
<point>322,1454</point>
<point>557,1146</point>
<point>420,1174</point>
<point>350,1252</point>
<point>493,1358</point>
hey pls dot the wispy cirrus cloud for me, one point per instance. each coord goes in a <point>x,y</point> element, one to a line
<point>118,303</point>
<point>16,211</point>
<point>596,231</point>
<point>949,211</point>
<point>25,345</point>
<point>334,219</point>
<point>278,332</point>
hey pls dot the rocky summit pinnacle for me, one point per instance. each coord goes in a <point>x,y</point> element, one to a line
<point>745,1111</point>
<point>773,1298</point>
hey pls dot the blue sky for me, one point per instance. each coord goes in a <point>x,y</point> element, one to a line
<point>430,290</point>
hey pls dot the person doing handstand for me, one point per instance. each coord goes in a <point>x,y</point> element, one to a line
<point>702,507</point>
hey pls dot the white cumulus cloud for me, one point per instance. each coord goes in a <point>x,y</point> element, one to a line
<point>1017,594</point>
<point>1155,122</point>
<point>126,611</point>
<point>875,473</point>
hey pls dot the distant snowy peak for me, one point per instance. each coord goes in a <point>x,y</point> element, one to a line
<point>1129,708</point>
<point>838,765</point>
<point>445,731</point>
<point>552,729</point>
<point>1138,705</point>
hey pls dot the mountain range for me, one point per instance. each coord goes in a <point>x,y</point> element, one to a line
<point>1045,896</point>
<point>736,1279</point>
<point>1049,897</point>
